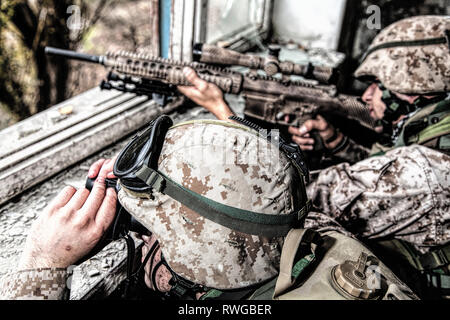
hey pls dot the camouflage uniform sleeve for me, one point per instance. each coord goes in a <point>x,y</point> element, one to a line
<point>323,223</point>
<point>349,151</point>
<point>35,284</point>
<point>402,194</point>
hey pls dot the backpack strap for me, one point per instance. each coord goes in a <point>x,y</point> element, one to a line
<point>292,242</point>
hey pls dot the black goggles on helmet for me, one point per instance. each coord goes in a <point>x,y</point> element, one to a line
<point>137,169</point>
<point>144,149</point>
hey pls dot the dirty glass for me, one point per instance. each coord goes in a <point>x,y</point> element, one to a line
<point>227,18</point>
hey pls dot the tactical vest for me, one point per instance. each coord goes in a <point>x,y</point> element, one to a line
<point>330,266</point>
<point>430,127</point>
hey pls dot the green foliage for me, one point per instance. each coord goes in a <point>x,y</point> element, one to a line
<point>6,12</point>
<point>16,69</point>
<point>30,81</point>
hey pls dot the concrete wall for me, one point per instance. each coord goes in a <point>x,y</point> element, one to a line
<point>312,24</point>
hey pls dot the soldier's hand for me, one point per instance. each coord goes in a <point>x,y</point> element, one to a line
<point>70,226</point>
<point>97,165</point>
<point>205,94</point>
<point>302,136</point>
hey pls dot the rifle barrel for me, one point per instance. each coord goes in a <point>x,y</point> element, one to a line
<point>74,55</point>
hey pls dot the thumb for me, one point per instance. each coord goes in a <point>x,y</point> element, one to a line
<point>193,78</point>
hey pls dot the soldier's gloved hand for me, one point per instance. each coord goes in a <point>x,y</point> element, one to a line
<point>70,226</point>
<point>302,136</point>
<point>205,94</point>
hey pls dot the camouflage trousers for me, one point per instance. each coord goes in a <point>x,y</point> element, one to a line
<point>403,194</point>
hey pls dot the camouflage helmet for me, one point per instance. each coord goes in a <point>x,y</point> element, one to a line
<point>231,164</point>
<point>411,56</point>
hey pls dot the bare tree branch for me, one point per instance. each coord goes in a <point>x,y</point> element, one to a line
<point>97,14</point>
<point>25,21</point>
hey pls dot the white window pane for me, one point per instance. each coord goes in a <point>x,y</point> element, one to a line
<point>225,18</point>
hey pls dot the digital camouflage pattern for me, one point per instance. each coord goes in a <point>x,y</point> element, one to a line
<point>411,70</point>
<point>230,164</point>
<point>404,193</point>
<point>35,284</point>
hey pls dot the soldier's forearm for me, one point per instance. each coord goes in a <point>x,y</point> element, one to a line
<point>222,111</point>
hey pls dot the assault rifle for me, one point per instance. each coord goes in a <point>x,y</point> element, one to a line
<point>279,102</point>
<point>267,98</point>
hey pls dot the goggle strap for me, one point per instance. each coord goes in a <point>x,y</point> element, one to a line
<point>245,221</point>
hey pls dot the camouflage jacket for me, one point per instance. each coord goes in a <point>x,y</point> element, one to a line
<point>401,191</point>
<point>402,194</point>
<point>37,284</point>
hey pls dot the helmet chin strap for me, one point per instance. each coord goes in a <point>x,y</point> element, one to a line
<point>180,288</point>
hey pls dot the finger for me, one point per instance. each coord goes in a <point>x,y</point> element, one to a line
<point>184,89</point>
<point>110,168</point>
<point>62,198</point>
<point>107,211</point>
<point>190,92</point>
<point>320,118</point>
<point>302,146</point>
<point>147,239</point>
<point>306,127</point>
<point>144,253</point>
<point>110,165</point>
<point>95,168</point>
<point>295,131</point>
<point>111,175</point>
<point>97,194</point>
<point>303,141</point>
<point>313,124</point>
<point>320,123</point>
<point>78,199</point>
<point>192,77</point>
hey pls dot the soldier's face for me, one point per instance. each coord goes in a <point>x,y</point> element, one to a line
<point>372,96</point>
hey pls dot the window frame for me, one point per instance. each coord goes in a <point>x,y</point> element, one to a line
<point>188,25</point>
